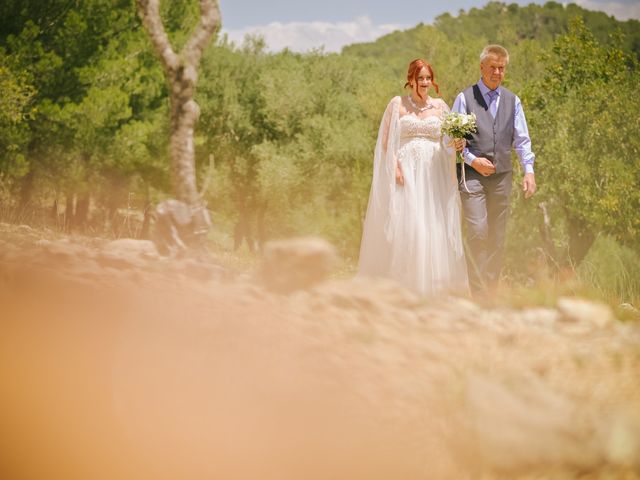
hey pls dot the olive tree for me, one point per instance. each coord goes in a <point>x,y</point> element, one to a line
<point>181,72</point>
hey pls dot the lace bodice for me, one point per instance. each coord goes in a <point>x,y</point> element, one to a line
<point>412,127</point>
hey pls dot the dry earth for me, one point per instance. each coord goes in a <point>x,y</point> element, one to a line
<point>117,364</point>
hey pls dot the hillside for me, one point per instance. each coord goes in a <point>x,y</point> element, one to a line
<point>507,24</point>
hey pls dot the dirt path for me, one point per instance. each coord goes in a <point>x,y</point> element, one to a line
<point>115,364</point>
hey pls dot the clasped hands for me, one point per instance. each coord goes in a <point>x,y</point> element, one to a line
<point>485,167</point>
<point>482,165</point>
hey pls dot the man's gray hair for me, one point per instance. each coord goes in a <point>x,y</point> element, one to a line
<point>497,50</point>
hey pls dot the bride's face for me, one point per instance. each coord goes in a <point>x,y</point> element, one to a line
<point>423,82</point>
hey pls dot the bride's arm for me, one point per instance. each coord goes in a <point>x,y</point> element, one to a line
<point>448,142</point>
<point>386,121</point>
<point>452,144</point>
<point>396,102</point>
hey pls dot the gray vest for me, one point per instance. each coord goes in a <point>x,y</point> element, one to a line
<point>494,137</point>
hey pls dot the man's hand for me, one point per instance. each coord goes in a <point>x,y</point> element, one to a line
<point>484,166</point>
<point>529,185</point>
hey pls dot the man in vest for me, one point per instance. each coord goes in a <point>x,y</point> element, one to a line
<point>485,186</point>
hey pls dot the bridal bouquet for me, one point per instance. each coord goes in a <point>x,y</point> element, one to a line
<point>459,125</point>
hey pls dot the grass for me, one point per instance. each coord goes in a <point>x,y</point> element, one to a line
<point>613,270</point>
<point>610,274</point>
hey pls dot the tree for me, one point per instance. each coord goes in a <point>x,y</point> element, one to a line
<point>56,50</point>
<point>15,108</point>
<point>181,72</point>
<point>584,117</point>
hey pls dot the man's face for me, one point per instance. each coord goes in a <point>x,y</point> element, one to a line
<point>492,71</point>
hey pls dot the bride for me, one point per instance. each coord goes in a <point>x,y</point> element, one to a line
<point>412,229</point>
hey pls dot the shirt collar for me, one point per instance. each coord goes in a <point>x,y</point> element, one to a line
<point>484,89</point>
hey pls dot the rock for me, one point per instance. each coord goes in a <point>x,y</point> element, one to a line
<point>346,379</point>
<point>180,226</point>
<point>198,270</point>
<point>124,247</point>
<point>7,250</point>
<point>580,310</point>
<point>368,294</point>
<point>540,317</point>
<point>629,310</point>
<point>59,252</point>
<point>623,446</point>
<point>110,260</point>
<point>296,263</point>
<point>25,229</point>
<point>537,426</point>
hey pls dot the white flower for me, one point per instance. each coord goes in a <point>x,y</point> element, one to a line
<point>459,125</point>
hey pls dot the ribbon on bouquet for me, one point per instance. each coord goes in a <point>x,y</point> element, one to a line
<point>464,179</point>
<point>462,163</point>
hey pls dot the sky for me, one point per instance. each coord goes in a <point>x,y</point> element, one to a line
<point>301,25</point>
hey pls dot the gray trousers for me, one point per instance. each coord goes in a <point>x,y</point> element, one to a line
<point>485,208</point>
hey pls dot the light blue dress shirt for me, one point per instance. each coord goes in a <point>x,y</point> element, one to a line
<point>521,139</point>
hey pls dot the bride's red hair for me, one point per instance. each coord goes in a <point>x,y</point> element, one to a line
<point>414,71</point>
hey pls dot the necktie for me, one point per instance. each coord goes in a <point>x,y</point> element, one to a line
<point>493,102</point>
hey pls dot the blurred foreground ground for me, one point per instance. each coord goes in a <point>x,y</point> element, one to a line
<point>115,364</point>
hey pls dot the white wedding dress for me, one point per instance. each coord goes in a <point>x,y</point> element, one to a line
<point>412,233</point>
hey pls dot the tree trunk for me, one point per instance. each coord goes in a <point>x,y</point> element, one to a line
<point>55,214</point>
<point>581,237</point>
<point>26,190</point>
<point>184,115</point>
<point>82,211</point>
<point>262,226</point>
<point>54,210</point>
<point>181,72</point>
<point>545,234</point>
<point>68,212</point>
<point>146,222</point>
<point>242,230</point>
